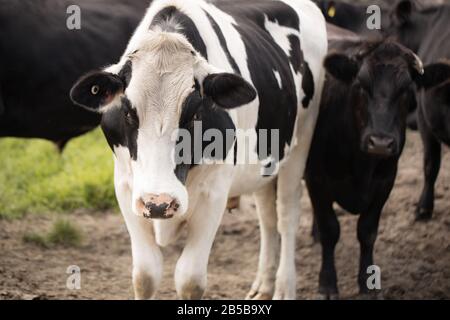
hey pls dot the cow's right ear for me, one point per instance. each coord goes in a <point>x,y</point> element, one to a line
<point>96,90</point>
<point>341,67</point>
<point>435,74</point>
<point>404,10</point>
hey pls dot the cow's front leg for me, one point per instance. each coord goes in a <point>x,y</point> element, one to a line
<point>431,165</point>
<point>147,257</point>
<point>191,269</point>
<point>263,286</point>
<point>289,192</point>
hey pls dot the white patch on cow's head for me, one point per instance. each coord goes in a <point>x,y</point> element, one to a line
<point>163,77</point>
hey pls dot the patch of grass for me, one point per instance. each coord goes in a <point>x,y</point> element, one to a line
<point>62,233</point>
<point>36,178</point>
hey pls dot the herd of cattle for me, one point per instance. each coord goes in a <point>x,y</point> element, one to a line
<point>340,95</point>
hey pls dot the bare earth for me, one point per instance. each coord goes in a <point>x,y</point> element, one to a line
<point>414,257</point>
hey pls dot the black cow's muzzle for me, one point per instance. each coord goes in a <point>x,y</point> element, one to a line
<point>382,146</point>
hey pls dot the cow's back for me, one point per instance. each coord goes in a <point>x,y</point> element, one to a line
<point>44,58</point>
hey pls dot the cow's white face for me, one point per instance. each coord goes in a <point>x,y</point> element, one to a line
<point>162,86</point>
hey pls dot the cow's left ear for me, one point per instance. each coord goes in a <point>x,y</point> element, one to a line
<point>96,90</point>
<point>435,74</point>
<point>342,67</point>
<point>228,90</point>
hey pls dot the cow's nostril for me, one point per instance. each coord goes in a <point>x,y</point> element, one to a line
<point>391,144</point>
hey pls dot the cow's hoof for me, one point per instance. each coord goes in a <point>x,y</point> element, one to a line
<point>256,295</point>
<point>423,215</point>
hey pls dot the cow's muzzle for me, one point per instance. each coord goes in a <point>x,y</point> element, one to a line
<point>158,206</point>
<point>381,146</point>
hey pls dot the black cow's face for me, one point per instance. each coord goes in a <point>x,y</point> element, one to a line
<point>381,92</point>
<point>406,25</point>
<point>161,88</point>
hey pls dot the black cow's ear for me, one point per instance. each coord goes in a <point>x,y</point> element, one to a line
<point>341,67</point>
<point>228,90</point>
<point>403,10</point>
<point>435,74</point>
<point>96,89</point>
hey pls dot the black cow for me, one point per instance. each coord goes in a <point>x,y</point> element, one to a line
<point>358,140</point>
<point>427,32</point>
<point>41,58</point>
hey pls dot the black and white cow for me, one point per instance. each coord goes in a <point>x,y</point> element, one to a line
<point>427,33</point>
<point>41,58</point>
<point>244,66</point>
<point>359,137</point>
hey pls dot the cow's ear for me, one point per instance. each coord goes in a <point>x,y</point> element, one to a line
<point>404,10</point>
<point>444,91</point>
<point>341,67</point>
<point>435,74</point>
<point>96,90</point>
<point>228,90</point>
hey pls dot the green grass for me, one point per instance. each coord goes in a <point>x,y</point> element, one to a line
<point>36,178</point>
<point>63,233</point>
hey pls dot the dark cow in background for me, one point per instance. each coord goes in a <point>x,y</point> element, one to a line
<point>351,15</point>
<point>358,140</point>
<point>41,58</point>
<point>427,32</point>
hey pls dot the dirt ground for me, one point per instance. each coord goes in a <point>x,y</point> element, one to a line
<point>414,257</point>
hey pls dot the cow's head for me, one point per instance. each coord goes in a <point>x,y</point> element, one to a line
<point>407,24</point>
<point>160,87</point>
<point>380,77</point>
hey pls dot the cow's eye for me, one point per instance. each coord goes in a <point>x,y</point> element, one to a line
<point>95,89</point>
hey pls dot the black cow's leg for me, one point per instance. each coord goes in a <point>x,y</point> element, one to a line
<point>329,230</point>
<point>432,164</point>
<point>314,230</point>
<point>367,234</point>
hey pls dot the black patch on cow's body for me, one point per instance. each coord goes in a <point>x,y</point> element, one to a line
<point>307,85</point>
<point>277,106</point>
<point>120,126</point>
<point>223,43</point>
<point>189,29</point>
<point>296,54</point>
